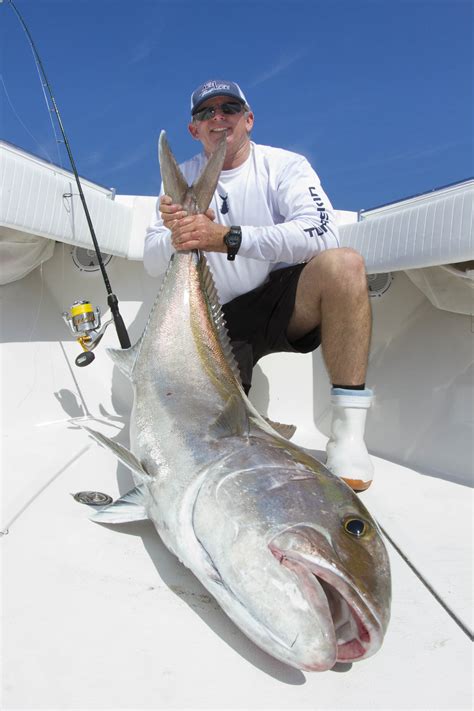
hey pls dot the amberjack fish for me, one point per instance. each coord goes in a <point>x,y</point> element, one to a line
<point>286,548</point>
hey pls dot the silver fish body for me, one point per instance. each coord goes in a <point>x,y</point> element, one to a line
<point>286,548</point>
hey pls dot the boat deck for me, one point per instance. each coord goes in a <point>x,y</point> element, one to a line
<point>102,617</point>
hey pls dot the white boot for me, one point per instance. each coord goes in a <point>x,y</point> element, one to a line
<point>347,455</point>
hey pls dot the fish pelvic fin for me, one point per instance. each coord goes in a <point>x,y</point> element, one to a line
<point>125,358</point>
<point>217,317</point>
<point>123,454</point>
<point>174,182</point>
<point>130,507</point>
<point>286,431</point>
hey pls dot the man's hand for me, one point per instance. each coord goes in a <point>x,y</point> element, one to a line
<point>192,231</point>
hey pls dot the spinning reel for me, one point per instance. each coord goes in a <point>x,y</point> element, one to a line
<point>84,322</point>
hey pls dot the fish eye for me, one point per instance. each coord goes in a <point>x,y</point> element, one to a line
<point>356,527</point>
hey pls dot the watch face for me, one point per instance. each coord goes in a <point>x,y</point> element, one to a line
<point>232,240</point>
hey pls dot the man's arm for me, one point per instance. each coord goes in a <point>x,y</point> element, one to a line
<point>158,248</point>
<point>308,224</point>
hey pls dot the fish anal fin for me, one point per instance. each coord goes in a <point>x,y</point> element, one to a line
<point>130,507</point>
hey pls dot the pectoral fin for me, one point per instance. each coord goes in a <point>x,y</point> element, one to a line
<point>128,508</point>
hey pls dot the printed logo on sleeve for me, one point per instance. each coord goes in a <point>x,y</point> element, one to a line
<point>323,215</point>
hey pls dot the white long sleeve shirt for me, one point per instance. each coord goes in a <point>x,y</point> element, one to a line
<point>277,199</point>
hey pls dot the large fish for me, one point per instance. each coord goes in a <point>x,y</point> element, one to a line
<point>286,548</point>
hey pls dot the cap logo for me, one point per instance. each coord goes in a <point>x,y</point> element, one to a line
<point>212,86</point>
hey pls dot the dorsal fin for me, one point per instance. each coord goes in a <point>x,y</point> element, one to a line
<point>217,316</point>
<point>174,182</point>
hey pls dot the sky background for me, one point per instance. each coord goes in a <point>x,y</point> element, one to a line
<point>377,94</point>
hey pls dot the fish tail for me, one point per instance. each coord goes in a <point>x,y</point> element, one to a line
<point>175,184</point>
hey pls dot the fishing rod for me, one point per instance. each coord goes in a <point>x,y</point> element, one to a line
<point>82,314</point>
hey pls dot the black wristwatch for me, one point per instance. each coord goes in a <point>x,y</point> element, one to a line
<point>233,240</point>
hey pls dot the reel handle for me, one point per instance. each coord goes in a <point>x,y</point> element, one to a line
<point>84,359</point>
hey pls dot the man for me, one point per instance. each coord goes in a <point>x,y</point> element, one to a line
<point>271,241</point>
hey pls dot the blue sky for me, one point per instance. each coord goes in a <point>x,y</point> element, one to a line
<point>377,94</point>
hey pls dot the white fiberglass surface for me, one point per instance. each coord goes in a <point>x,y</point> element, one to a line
<point>101,617</point>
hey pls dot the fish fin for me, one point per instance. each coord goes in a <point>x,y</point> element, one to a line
<point>286,431</point>
<point>129,507</point>
<point>174,182</point>
<point>125,358</point>
<point>215,309</point>
<point>205,186</point>
<point>233,419</point>
<point>122,453</point>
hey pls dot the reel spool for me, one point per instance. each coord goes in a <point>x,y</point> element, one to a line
<point>85,325</point>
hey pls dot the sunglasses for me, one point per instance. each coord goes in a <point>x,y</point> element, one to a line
<point>230,108</point>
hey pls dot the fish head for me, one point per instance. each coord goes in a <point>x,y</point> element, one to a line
<point>303,567</point>
<point>343,571</point>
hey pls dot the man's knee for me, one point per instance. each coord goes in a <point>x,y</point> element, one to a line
<point>341,266</point>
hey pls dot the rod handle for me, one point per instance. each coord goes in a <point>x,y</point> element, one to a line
<point>118,321</point>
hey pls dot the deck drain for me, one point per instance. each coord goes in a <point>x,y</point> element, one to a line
<point>86,259</point>
<point>93,498</point>
<point>379,283</point>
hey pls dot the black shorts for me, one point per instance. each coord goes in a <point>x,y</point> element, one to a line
<point>258,320</point>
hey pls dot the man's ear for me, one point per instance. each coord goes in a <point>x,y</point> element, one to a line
<point>249,121</point>
<point>193,130</point>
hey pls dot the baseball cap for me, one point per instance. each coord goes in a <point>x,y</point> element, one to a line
<point>215,87</point>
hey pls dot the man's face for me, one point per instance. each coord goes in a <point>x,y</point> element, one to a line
<point>209,132</point>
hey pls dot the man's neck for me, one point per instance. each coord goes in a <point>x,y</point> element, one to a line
<point>237,158</point>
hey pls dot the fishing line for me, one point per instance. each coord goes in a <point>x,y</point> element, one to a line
<point>50,110</point>
<point>111,297</point>
<point>30,337</point>
<point>18,117</point>
<point>5,530</point>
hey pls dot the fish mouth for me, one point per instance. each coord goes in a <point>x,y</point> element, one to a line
<point>350,628</point>
<point>353,637</point>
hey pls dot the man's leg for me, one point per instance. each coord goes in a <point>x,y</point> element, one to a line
<point>332,293</point>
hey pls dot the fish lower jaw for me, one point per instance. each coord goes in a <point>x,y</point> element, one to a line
<point>353,638</point>
<point>329,597</point>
